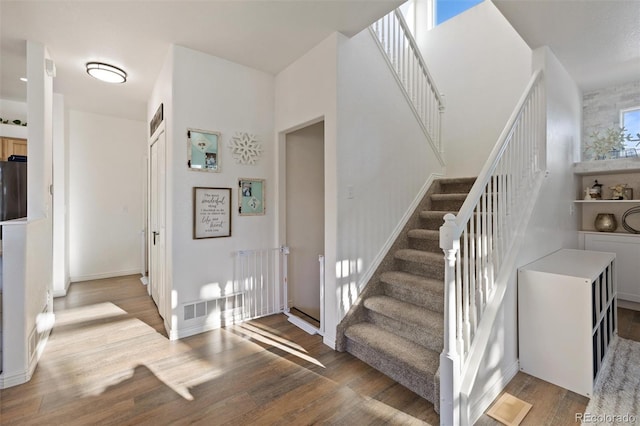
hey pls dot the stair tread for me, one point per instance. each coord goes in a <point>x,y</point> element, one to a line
<point>435,214</point>
<point>429,234</point>
<point>408,313</point>
<point>421,256</point>
<point>457,180</point>
<point>395,348</point>
<point>416,282</point>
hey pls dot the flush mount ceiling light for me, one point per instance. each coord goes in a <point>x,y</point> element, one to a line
<point>106,72</point>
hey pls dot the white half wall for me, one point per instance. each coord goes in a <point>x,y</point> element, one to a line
<point>481,65</point>
<point>105,195</point>
<point>553,224</point>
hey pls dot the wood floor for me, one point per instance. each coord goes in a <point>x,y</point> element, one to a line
<point>109,362</point>
<point>553,405</point>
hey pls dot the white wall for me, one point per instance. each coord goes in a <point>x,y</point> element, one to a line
<point>105,196</point>
<point>210,93</point>
<point>13,110</point>
<point>553,225</point>
<point>374,150</point>
<point>383,158</point>
<point>482,66</point>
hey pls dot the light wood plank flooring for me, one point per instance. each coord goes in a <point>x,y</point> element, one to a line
<point>553,405</point>
<point>109,362</point>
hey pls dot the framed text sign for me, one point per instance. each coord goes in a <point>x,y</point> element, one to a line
<point>211,212</point>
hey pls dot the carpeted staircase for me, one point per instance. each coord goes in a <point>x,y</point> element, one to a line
<point>396,325</point>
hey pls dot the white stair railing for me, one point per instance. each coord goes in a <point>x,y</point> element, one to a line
<point>479,243</point>
<point>401,53</point>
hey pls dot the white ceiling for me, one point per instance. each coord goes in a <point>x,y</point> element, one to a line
<point>136,34</point>
<point>598,41</point>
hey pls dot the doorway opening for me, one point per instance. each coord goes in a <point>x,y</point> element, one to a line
<point>304,227</point>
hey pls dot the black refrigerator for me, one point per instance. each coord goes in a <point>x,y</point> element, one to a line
<point>13,190</point>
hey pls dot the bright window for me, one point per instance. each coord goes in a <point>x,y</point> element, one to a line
<point>447,9</point>
<point>630,120</point>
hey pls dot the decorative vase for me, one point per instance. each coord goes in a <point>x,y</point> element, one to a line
<point>606,222</point>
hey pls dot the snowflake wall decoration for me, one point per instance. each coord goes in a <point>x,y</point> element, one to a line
<point>245,148</point>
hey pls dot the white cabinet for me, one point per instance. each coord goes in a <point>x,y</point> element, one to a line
<point>567,317</point>
<point>627,250</point>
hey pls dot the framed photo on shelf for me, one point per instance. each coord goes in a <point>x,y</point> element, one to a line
<point>211,212</point>
<point>203,151</point>
<point>250,197</point>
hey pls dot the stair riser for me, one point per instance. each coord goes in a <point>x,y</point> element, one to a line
<point>422,385</point>
<point>416,334</point>
<point>435,271</point>
<point>446,205</point>
<point>455,188</point>
<point>425,244</point>
<point>432,224</point>
<point>432,301</point>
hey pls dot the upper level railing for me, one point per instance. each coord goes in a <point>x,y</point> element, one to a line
<point>479,242</point>
<point>410,70</point>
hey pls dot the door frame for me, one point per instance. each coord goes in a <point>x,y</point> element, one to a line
<point>282,221</point>
<point>162,290</point>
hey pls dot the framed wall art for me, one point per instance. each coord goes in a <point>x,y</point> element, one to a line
<point>203,151</point>
<point>211,212</point>
<point>250,197</point>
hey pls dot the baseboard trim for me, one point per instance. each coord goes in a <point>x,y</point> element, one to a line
<point>15,379</point>
<point>628,304</point>
<point>375,263</point>
<point>329,341</point>
<point>63,292</point>
<point>480,406</point>
<point>100,276</point>
<point>193,330</point>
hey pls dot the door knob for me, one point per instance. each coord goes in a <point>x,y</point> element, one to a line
<point>155,234</point>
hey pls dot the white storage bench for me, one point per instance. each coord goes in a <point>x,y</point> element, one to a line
<point>567,317</point>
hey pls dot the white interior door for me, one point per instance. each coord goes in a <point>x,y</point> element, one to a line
<point>305,216</point>
<point>157,187</point>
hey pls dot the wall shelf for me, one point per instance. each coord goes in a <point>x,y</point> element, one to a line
<point>602,167</point>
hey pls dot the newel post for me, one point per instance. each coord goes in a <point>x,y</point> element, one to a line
<point>449,358</point>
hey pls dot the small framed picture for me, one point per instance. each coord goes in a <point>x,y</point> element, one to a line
<point>250,197</point>
<point>202,150</point>
<point>211,212</point>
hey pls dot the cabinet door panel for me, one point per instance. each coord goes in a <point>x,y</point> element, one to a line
<point>13,147</point>
<point>627,250</point>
